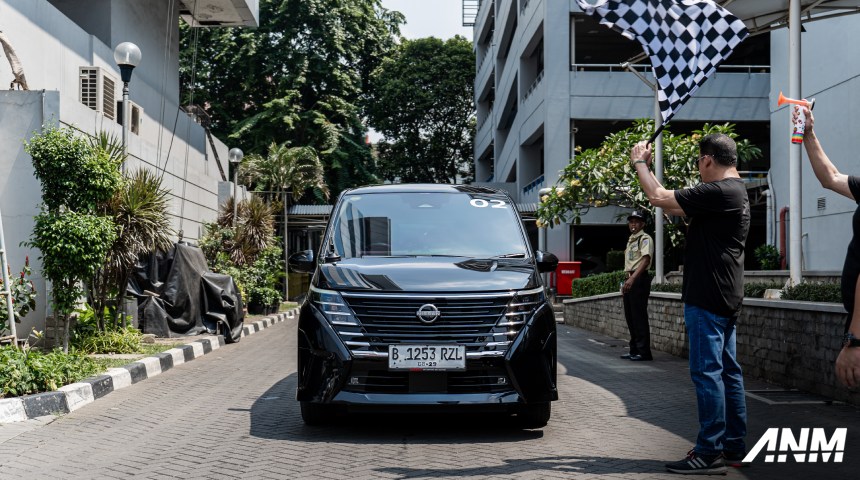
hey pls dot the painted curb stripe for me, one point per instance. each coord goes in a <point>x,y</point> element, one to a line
<point>178,356</point>
<point>12,410</point>
<point>198,349</point>
<point>137,371</point>
<point>78,395</point>
<point>48,403</point>
<point>165,361</point>
<point>188,352</point>
<point>101,385</point>
<point>120,377</point>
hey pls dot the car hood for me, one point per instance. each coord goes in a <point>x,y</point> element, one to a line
<point>427,274</point>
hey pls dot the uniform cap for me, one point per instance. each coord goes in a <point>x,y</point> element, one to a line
<point>641,215</point>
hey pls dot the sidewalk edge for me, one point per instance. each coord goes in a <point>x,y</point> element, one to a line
<point>69,398</point>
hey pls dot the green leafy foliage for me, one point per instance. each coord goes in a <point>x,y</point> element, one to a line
<point>78,177</point>
<point>603,176</point>
<point>140,212</point>
<point>73,246</point>
<point>23,296</point>
<point>666,287</point>
<point>73,173</point>
<point>422,100</point>
<point>261,277</point>
<point>756,289</point>
<point>23,372</point>
<point>90,337</point>
<point>284,169</point>
<point>814,292</point>
<point>768,257</point>
<point>598,284</point>
<point>256,280</point>
<point>297,79</point>
<point>615,260</point>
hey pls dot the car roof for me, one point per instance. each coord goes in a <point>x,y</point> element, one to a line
<point>423,188</point>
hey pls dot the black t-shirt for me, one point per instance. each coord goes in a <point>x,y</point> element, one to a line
<point>851,268</point>
<point>719,220</point>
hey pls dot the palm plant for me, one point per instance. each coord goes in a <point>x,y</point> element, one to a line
<point>256,229</point>
<point>286,170</point>
<point>140,212</point>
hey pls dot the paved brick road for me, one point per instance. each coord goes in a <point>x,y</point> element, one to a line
<point>231,414</point>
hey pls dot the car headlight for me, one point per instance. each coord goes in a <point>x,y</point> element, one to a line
<point>521,307</point>
<point>333,307</point>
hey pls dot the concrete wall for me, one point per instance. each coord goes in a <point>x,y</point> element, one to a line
<point>833,79</point>
<point>21,114</point>
<point>793,344</point>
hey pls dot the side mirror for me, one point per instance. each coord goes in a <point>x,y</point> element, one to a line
<point>546,262</point>
<point>302,262</point>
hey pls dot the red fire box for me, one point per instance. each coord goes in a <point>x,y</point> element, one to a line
<point>564,275</point>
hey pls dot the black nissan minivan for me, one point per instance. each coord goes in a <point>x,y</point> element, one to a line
<point>426,296</point>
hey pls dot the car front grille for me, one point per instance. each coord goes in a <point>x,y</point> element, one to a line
<point>479,322</point>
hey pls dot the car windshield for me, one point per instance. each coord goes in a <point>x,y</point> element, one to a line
<point>428,224</point>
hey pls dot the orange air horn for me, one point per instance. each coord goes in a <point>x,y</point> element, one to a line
<point>782,100</point>
<point>798,120</point>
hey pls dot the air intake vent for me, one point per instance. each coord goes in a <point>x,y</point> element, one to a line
<point>98,91</point>
<point>822,203</point>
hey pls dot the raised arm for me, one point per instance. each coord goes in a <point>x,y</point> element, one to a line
<point>640,157</point>
<point>824,169</point>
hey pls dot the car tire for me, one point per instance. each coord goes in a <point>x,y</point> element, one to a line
<point>535,415</point>
<point>314,414</point>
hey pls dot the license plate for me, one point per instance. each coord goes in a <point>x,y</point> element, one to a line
<point>426,357</point>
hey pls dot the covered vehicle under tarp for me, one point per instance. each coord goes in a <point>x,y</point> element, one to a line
<point>178,296</point>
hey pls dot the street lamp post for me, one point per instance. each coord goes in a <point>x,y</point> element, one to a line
<point>235,157</point>
<point>127,56</point>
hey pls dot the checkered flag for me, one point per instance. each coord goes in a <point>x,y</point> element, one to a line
<point>686,40</point>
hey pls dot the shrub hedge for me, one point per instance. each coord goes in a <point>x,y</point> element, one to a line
<point>814,292</point>
<point>611,282</point>
<point>23,372</point>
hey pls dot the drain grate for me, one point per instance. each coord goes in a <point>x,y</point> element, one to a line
<point>787,397</point>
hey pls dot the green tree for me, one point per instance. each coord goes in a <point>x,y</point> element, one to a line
<point>422,100</point>
<point>297,79</point>
<point>76,178</point>
<point>603,176</point>
<point>283,171</point>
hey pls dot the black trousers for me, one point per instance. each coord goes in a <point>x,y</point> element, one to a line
<point>636,314</point>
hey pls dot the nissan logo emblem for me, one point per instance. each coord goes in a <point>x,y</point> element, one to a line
<point>428,313</point>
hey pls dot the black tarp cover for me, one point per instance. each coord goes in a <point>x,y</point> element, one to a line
<point>178,296</point>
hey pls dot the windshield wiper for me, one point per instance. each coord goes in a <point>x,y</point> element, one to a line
<point>510,255</point>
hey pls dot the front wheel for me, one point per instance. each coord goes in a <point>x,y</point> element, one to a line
<point>314,414</point>
<point>534,415</point>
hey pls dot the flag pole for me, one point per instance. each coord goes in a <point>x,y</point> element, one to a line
<point>795,251</point>
<point>658,171</point>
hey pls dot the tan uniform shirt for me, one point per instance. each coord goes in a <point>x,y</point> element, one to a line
<point>639,245</point>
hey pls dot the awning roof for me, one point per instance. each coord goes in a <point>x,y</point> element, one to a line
<point>764,15</point>
<point>220,13</point>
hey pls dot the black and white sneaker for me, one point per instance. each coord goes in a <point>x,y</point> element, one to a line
<point>696,464</point>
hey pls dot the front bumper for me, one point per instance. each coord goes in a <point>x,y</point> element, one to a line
<point>330,373</point>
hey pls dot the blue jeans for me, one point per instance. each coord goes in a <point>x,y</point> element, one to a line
<point>719,382</point>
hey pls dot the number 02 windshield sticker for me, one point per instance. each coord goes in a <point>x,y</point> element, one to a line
<point>481,203</point>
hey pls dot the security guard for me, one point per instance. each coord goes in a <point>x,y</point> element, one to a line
<point>637,287</point>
